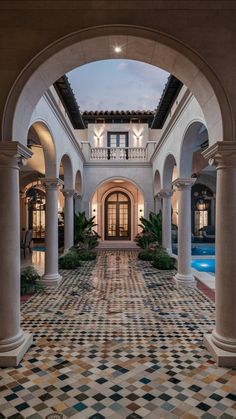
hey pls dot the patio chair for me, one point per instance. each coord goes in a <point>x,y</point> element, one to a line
<point>26,242</point>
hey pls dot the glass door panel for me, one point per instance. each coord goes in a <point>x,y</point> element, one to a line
<point>117,217</point>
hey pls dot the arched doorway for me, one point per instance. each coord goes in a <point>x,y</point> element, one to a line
<point>117,216</point>
<point>36,200</point>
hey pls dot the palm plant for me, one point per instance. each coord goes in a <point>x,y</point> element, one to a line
<point>83,231</point>
<point>153,226</point>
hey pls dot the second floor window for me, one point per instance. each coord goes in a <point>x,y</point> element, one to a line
<point>118,139</point>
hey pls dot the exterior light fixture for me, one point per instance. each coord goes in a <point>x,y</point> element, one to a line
<point>117,49</point>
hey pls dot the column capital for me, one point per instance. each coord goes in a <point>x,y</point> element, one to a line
<point>13,154</point>
<point>183,183</point>
<point>165,193</point>
<point>51,183</point>
<point>222,154</point>
<point>68,192</point>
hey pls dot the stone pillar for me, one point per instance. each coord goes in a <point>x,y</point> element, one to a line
<point>51,276</point>
<point>222,341</point>
<point>23,211</point>
<point>78,202</point>
<point>166,219</point>
<point>184,275</point>
<point>157,203</point>
<point>13,341</point>
<point>68,219</point>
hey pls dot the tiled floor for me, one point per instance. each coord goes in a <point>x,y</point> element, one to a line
<point>118,340</point>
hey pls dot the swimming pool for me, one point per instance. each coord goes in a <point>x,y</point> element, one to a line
<point>204,265</point>
<point>201,250</point>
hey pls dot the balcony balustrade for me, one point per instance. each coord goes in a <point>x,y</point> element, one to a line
<point>118,154</point>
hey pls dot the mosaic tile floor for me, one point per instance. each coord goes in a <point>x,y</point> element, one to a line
<point>117,339</point>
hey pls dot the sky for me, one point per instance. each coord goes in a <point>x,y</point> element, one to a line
<point>117,85</point>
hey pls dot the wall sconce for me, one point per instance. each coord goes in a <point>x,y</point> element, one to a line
<point>141,210</point>
<point>94,210</point>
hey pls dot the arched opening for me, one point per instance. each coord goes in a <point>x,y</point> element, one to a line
<point>117,206</point>
<point>97,44</point>
<point>117,216</point>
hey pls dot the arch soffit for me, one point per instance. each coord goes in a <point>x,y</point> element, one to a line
<point>47,142</point>
<point>111,179</point>
<point>79,179</point>
<point>68,170</point>
<point>188,142</point>
<point>167,171</point>
<point>140,43</point>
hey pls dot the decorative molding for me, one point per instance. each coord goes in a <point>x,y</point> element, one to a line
<point>183,183</point>
<point>13,154</point>
<point>51,183</point>
<point>187,97</point>
<point>221,154</point>
<point>49,98</point>
<point>165,193</point>
<point>68,192</point>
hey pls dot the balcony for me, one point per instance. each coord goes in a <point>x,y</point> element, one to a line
<point>112,153</point>
<point>118,154</point>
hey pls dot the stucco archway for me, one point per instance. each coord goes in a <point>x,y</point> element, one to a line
<point>97,43</point>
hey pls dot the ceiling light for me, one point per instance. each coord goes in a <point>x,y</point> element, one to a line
<point>117,49</point>
<point>118,181</point>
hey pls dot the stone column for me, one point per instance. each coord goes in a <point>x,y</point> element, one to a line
<point>166,219</point>
<point>51,276</point>
<point>157,203</point>
<point>184,275</point>
<point>13,341</point>
<point>68,219</point>
<point>222,341</point>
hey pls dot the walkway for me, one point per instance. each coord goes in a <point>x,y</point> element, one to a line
<point>118,340</point>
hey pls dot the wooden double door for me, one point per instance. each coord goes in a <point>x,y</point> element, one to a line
<point>117,216</point>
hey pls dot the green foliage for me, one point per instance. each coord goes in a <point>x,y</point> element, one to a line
<point>163,261</point>
<point>70,260</point>
<point>146,255</point>
<point>151,230</point>
<point>83,231</point>
<point>29,281</point>
<point>86,255</point>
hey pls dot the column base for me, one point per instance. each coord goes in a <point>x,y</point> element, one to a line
<point>222,358</point>
<point>185,280</point>
<point>13,358</point>
<point>51,280</point>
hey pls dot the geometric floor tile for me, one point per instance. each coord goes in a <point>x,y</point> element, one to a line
<point>118,339</point>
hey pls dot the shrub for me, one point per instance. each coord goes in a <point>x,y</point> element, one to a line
<point>84,235</point>
<point>146,255</point>
<point>86,255</point>
<point>163,261</point>
<point>69,261</point>
<point>29,280</point>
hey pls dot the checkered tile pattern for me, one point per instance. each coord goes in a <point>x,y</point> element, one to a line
<point>117,339</point>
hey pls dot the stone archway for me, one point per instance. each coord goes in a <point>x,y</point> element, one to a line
<point>98,43</point>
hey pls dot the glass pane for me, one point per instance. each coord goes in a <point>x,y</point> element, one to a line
<point>122,197</point>
<point>122,140</point>
<point>111,220</point>
<point>123,220</point>
<point>112,197</point>
<point>113,140</point>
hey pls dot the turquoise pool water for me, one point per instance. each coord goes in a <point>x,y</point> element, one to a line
<point>199,250</point>
<point>204,265</point>
<point>39,249</point>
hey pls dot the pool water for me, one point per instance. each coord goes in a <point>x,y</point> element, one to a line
<point>39,249</point>
<point>204,265</point>
<point>198,250</point>
<point>201,251</point>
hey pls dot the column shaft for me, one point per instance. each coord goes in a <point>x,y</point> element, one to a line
<point>68,219</point>
<point>222,341</point>
<point>13,342</point>
<point>51,276</point>
<point>166,220</point>
<point>184,275</point>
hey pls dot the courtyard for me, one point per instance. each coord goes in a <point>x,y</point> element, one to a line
<point>117,338</point>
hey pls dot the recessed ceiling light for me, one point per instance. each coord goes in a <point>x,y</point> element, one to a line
<point>118,181</point>
<point>117,49</point>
